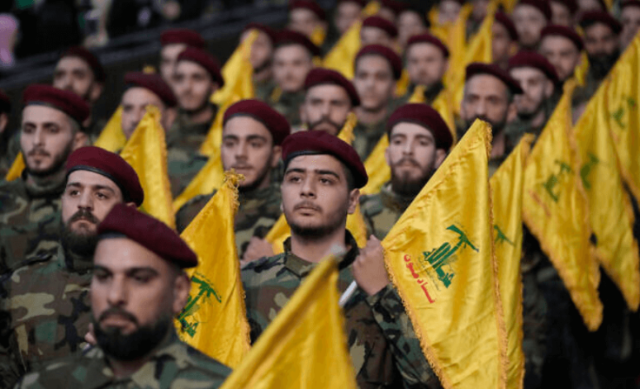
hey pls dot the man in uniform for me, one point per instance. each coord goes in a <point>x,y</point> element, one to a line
<point>377,30</point>
<point>251,139</point>
<point>323,175</point>
<point>504,40</point>
<point>96,180</point>
<point>347,12</point>
<point>309,19</point>
<point>411,21</point>
<point>30,205</point>
<point>5,135</point>
<point>261,58</point>
<point>173,42</point>
<point>630,19</point>
<point>563,11</point>
<point>427,62</point>
<point>377,68</point>
<point>139,285</point>
<point>530,17</point>
<point>562,47</point>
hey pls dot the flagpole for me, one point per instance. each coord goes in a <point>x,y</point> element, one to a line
<point>346,296</point>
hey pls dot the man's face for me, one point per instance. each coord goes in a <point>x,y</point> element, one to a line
<point>603,48</point>
<point>562,53</point>
<point>261,51</point>
<point>589,5</point>
<point>448,11</point>
<point>74,75</point>
<point>375,36</point>
<point>413,158</point>
<point>501,43</point>
<point>291,64</point>
<point>303,21</point>
<point>537,88</point>
<point>529,22</point>
<point>134,296</point>
<point>47,138</point>
<point>388,14</point>
<point>247,147</point>
<point>426,64</point>
<point>346,14</point>
<point>168,58</point>
<point>480,8</point>
<point>315,195</point>
<point>325,108</point>
<point>134,106</point>
<point>409,24</point>
<point>560,14</point>
<point>486,98</point>
<point>374,82</point>
<point>630,19</point>
<point>193,86</point>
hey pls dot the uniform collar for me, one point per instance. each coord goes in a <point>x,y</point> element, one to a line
<point>73,261</point>
<point>258,193</point>
<point>394,201</point>
<point>50,187</point>
<point>302,268</point>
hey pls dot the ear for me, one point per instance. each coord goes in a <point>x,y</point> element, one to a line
<point>512,112</point>
<point>387,156</point>
<point>131,204</point>
<point>441,155</point>
<point>168,117</point>
<point>354,200</point>
<point>276,154</point>
<point>4,120</point>
<point>181,289</point>
<point>80,139</point>
<point>96,91</point>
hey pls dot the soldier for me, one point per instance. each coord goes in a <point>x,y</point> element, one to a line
<point>377,30</point>
<point>5,135</point>
<point>377,68</point>
<point>427,62</point>
<point>251,139</point>
<point>562,47</point>
<point>138,286</point>
<point>323,175</point>
<point>418,143</point>
<point>347,12</point>
<point>307,18</point>
<point>261,58</point>
<point>530,17</point>
<point>173,42</point>
<point>411,21</point>
<point>630,19</point>
<point>96,180</point>
<point>448,11</point>
<point>329,100</point>
<point>504,40</point>
<point>563,11</point>
<point>30,205</point>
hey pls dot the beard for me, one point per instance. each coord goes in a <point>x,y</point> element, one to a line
<point>79,243</point>
<point>531,114</point>
<point>262,67</point>
<point>262,175</point>
<point>404,185</point>
<point>204,104</point>
<point>496,127</point>
<point>336,222</point>
<point>58,164</point>
<point>338,127</point>
<point>601,64</point>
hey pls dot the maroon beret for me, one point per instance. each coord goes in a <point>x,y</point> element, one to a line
<point>430,39</point>
<point>148,232</point>
<point>394,6</point>
<point>566,32</point>
<point>381,23</point>
<point>507,23</point>
<point>593,17</point>
<point>321,142</point>
<point>154,83</point>
<point>394,59</point>
<point>629,3</point>
<point>541,5</point>
<point>89,58</point>
<point>361,3</point>
<point>262,27</point>
<point>184,36</point>
<point>572,5</point>
<point>205,60</point>
<point>110,165</point>
<point>287,37</point>
<point>67,102</point>
<point>5,103</point>
<point>477,68</point>
<point>310,5</point>
<point>425,116</point>
<point>534,60</point>
<point>321,76</point>
<point>277,124</point>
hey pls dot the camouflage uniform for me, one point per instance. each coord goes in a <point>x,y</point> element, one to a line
<point>258,211</point>
<point>384,348</point>
<point>288,104</point>
<point>263,90</point>
<point>174,365</point>
<point>45,312</point>
<point>367,137</point>
<point>381,211</point>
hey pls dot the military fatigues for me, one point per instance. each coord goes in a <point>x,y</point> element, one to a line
<point>45,311</point>
<point>288,104</point>
<point>258,211</point>
<point>263,90</point>
<point>174,365</point>
<point>382,210</point>
<point>367,137</point>
<point>383,346</point>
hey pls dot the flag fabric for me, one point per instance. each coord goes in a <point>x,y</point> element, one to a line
<point>238,74</point>
<point>214,319</point>
<point>610,209</point>
<point>112,138</point>
<point>209,178</point>
<point>346,133</point>
<point>555,210</point>
<point>440,258</point>
<point>278,234</point>
<point>212,143</point>
<point>377,168</point>
<point>15,171</point>
<point>305,345</point>
<point>580,73</point>
<point>146,152</point>
<point>442,104</point>
<point>506,195</point>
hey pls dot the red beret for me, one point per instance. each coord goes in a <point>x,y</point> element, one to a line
<point>310,5</point>
<point>593,17</point>
<point>321,142</point>
<point>541,5</point>
<point>67,102</point>
<point>430,39</point>
<point>531,59</point>
<point>321,76</point>
<point>507,23</point>
<point>261,27</point>
<point>5,103</point>
<point>277,124</point>
<point>184,36</point>
<point>287,37</point>
<point>381,23</point>
<point>572,5</point>
<point>148,232</point>
<point>394,6</point>
<point>154,83</point>
<point>477,68</point>
<point>629,3</point>
<point>205,60</point>
<point>89,58</point>
<point>566,32</point>
<point>110,165</point>
<point>394,59</point>
<point>361,3</point>
<point>425,116</point>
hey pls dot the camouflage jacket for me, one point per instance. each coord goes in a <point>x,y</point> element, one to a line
<point>29,220</point>
<point>174,365</point>
<point>383,345</point>
<point>381,211</point>
<point>263,90</point>
<point>45,312</point>
<point>288,104</point>
<point>258,211</point>
<point>367,137</point>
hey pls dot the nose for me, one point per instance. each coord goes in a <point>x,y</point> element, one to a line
<point>308,189</point>
<point>116,292</point>
<point>38,137</point>
<point>481,108</point>
<point>86,201</point>
<point>407,148</point>
<point>242,151</point>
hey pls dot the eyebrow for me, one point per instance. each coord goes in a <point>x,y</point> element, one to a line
<point>95,187</point>
<point>317,171</point>
<point>129,271</point>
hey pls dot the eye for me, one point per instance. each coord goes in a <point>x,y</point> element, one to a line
<point>141,279</point>
<point>101,276</point>
<point>102,196</point>
<point>74,192</point>
<point>293,179</point>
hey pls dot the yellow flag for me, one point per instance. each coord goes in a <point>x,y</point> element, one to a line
<point>555,210</point>
<point>212,143</point>
<point>346,133</point>
<point>305,345</point>
<point>442,104</point>
<point>237,74</point>
<point>377,168</point>
<point>580,73</point>
<point>112,138</point>
<point>210,177</point>
<point>610,209</point>
<point>506,190</point>
<point>215,320</point>
<point>440,257</point>
<point>456,41</point>
<point>402,85</point>
<point>318,36</point>
<point>278,234</point>
<point>15,171</point>
<point>146,152</point>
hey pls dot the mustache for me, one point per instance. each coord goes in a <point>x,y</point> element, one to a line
<point>307,204</point>
<point>84,214</point>
<point>241,166</point>
<point>324,120</point>
<point>119,312</point>
<point>408,160</point>
<point>38,150</point>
